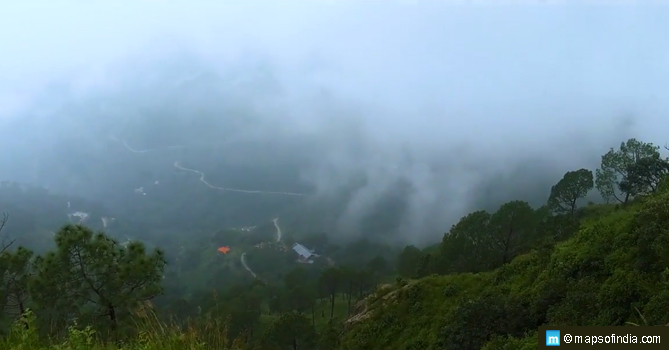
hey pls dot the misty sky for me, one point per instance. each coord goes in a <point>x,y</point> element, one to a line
<point>485,86</point>
<point>444,64</point>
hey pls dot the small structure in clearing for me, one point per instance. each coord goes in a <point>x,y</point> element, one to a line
<point>304,254</point>
<point>78,214</point>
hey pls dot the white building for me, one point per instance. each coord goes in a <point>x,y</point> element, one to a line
<point>304,253</point>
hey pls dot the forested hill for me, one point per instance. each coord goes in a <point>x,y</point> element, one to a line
<point>492,280</point>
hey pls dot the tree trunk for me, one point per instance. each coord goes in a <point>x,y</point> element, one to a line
<point>313,315</point>
<point>332,303</point>
<point>112,315</point>
<point>507,243</point>
<point>573,206</point>
<point>22,310</point>
<point>350,291</point>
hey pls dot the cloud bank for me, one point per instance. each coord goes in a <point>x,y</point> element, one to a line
<point>438,108</point>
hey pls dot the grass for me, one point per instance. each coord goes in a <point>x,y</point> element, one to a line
<point>152,334</point>
<point>321,313</point>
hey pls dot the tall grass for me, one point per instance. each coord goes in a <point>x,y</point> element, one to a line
<point>150,334</point>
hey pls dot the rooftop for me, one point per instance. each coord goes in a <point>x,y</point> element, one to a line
<point>302,251</point>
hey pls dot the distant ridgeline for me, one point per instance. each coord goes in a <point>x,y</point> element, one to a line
<point>144,186</point>
<point>143,195</point>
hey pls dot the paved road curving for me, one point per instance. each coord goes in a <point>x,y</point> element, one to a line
<point>176,165</point>
<point>243,260</point>
<point>278,239</point>
<point>202,176</point>
<point>278,230</point>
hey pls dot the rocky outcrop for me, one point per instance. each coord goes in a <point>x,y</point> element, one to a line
<point>363,308</point>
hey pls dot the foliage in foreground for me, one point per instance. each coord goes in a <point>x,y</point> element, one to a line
<point>493,279</point>
<point>615,263</point>
<point>151,334</point>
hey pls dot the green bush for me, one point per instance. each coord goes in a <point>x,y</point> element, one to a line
<point>612,266</point>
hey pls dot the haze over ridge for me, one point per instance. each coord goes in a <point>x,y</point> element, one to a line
<point>434,103</point>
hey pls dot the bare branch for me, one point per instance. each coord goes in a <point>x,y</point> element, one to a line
<point>5,217</point>
<point>5,244</point>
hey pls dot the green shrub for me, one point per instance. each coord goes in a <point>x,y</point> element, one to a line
<point>611,266</point>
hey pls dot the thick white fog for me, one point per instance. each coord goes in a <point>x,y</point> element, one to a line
<point>456,106</point>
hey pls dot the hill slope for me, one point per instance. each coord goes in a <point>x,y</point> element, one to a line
<point>615,264</point>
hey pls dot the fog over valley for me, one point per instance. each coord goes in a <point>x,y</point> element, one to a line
<point>358,119</point>
<point>332,175</point>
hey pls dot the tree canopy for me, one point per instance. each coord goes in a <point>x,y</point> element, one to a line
<point>615,168</point>
<point>91,274</point>
<point>573,186</point>
<point>495,276</point>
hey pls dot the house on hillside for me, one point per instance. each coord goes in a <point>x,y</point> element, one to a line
<point>304,255</point>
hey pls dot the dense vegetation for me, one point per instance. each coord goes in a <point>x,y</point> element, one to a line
<point>492,280</point>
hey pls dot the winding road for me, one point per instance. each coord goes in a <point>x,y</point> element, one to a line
<point>278,230</point>
<point>176,165</point>
<point>243,260</point>
<point>278,239</point>
<point>202,176</point>
<point>125,144</point>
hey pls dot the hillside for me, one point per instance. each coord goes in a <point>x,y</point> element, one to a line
<point>491,281</point>
<point>601,275</point>
<point>612,267</point>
